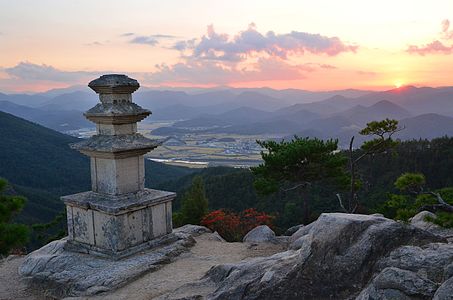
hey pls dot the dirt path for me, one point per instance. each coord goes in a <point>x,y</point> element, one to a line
<point>12,286</point>
<point>189,267</point>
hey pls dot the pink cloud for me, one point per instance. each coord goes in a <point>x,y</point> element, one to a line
<point>248,56</point>
<point>446,33</point>
<point>247,43</point>
<point>436,46</point>
<point>431,48</point>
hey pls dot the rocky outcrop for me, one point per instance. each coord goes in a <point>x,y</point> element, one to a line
<point>342,256</point>
<point>65,273</point>
<point>260,234</point>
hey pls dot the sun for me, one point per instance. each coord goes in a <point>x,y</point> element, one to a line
<point>398,84</point>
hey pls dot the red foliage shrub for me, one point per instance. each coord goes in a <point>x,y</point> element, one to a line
<point>234,226</point>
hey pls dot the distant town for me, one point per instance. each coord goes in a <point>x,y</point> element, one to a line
<point>198,150</point>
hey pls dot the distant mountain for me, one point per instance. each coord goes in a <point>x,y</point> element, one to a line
<point>42,167</point>
<point>360,115</point>
<point>426,126</point>
<point>416,100</point>
<point>23,99</point>
<point>80,101</point>
<point>326,107</point>
<point>58,120</point>
<point>60,91</point>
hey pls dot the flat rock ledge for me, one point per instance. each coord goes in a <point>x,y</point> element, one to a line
<point>64,273</point>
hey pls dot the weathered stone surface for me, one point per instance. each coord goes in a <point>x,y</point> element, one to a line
<point>336,260</point>
<point>300,233</point>
<point>290,231</point>
<point>116,204</point>
<point>430,260</point>
<point>117,225</point>
<point>117,143</point>
<point>260,234</point>
<point>114,83</point>
<point>66,273</point>
<point>193,229</point>
<point>445,291</point>
<point>407,284</point>
<point>419,221</point>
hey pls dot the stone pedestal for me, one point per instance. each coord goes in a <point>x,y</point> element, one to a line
<point>119,216</point>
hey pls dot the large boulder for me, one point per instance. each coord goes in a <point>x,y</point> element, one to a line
<point>420,221</point>
<point>260,234</point>
<point>337,257</point>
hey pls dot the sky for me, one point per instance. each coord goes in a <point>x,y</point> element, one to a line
<point>312,45</point>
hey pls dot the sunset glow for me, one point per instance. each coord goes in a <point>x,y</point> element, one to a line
<point>286,44</point>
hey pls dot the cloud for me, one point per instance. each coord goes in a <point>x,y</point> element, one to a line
<point>446,33</point>
<point>151,40</point>
<point>223,47</point>
<point>145,40</point>
<point>431,48</point>
<point>33,72</point>
<point>95,43</point>
<point>219,58</point>
<point>436,46</point>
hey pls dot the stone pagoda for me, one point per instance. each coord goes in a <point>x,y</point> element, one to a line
<point>119,216</point>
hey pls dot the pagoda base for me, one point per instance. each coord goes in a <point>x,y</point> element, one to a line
<point>117,226</point>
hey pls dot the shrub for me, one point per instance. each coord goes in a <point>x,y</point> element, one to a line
<point>234,226</point>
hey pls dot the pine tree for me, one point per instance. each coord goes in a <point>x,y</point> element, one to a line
<point>11,235</point>
<point>195,203</point>
<point>297,165</point>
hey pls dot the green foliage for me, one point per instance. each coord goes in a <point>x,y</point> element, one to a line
<point>194,204</point>
<point>301,160</point>
<point>11,235</point>
<point>410,182</point>
<point>298,165</point>
<point>382,132</point>
<point>403,207</point>
<point>443,219</point>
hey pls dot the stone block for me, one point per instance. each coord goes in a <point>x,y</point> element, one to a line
<point>115,129</point>
<point>117,176</point>
<point>117,226</point>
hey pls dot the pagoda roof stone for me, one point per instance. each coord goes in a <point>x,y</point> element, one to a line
<point>124,113</point>
<point>114,84</point>
<point>116,146</point>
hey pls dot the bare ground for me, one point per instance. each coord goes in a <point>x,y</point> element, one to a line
<point>189,267</point>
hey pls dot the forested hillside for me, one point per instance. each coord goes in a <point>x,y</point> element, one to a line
<point>233,188</point>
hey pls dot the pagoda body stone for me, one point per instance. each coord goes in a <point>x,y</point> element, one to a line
<point>119,216</point>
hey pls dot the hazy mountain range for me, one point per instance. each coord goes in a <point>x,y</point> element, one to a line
<point>425,112</point>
